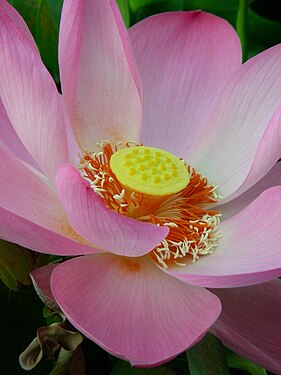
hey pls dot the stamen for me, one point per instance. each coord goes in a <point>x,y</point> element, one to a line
<point>193,227</point>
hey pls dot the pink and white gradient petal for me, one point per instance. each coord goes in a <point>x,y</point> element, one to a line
<point>248,252</point>
<point>99,225</point>
<point>10,139</point>
<point>272,178</point>
<point>30,98</point>
<point>238,122</point>
<point>100,81</point>
<point>184,58</point>
<point>32,236</point>
<point>250,323</point>
<point>268,152</point>
<point>131,308</point>
<point>25,194</point>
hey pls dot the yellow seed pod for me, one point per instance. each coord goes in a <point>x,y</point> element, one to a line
<point>149,170</point>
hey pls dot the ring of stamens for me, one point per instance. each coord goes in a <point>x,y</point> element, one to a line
<point>193,227</point>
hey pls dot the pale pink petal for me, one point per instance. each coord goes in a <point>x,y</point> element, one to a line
<point>131,308</point>
<point>41,278</point>
<point>25,194</point>
<point>21,231</point>
<point>250,323</point>
<point>99,225</point>
<point>239,121</point>
<point>10,139</point>
<point>100,82</point>
<point>272,178</point>
<point>30,98</point>
<point>18,20</point>
<point>248,251</point>
<point>184,58</point>
<point>268,152</point>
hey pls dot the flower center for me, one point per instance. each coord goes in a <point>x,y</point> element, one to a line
<point>149,170</point>
<point>155,186</point>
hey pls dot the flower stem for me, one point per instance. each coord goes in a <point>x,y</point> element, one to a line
<point>241,25</point>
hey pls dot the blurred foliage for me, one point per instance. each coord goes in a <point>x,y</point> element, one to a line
<point>235,361</point>
<point>16,263</point>
<point>207,357</point>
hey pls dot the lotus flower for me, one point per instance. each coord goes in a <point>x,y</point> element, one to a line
<point>127,169</point>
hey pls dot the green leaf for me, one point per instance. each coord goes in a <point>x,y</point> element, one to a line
<point>125,11</point>
<point>47,31</point>
<point>16,263</point>
<point>125,368</point>
<point>235,361</point>
<point>207,357</point>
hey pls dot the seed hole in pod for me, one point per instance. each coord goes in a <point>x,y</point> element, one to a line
<point>154,170</point>
<point>144,176</point>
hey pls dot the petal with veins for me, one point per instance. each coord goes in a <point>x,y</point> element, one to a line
<point>250,323</point>
<point>248,251</point>
<point>131,308</point>
<point>100,82</point>
<point>99,225</point>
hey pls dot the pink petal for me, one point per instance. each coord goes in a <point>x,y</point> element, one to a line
<point>248,251</point>
<point>268,152</point>
<point>131,308</point>
<point>100,82</point>
<point>250,323</point>
<point>99,225</point>
<point>183,58</point>
<point>10,139</point>
<point>25,194</point>
<point>18,20</point>
<point>240,118</point>
<point>41,278</point>
<point>30,98</point>
<point>21,231</point>
<point>272,178</point>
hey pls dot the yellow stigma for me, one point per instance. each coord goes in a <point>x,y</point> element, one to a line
<point>149,170</point>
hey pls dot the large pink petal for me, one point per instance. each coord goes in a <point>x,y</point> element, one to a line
<point>30,98</point>
<point>248,251</point>
<point>131,308</point>
<point>250,323</point>
<point>183,58</point>
<point>100,82</point>
<point>99,225</point>
<point>25,194</point>
<point>21,231</point>
<point>240,118</point>
<point>272,178</point>
<point>268,152</point>
<point>10,139</point>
